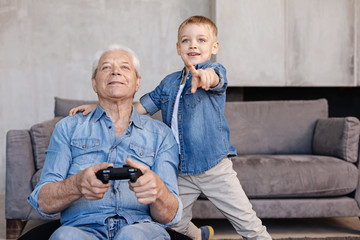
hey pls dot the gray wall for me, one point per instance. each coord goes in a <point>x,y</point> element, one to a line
<point>46,47</point>
<point>289,42</point>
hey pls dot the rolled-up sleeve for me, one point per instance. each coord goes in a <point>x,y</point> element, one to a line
<point>221,72</point>
<point>148,104</point>
<point>166,167</point>
<point>33,200</point>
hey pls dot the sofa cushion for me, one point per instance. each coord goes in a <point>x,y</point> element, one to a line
<point>288,176</point>
<point>63,106</point>
<point>337,137</point>
<point>274,127</point>
<point>40,137</point>
<point>35,179</point>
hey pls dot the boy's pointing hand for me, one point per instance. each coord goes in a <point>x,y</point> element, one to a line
<point>204,78</point>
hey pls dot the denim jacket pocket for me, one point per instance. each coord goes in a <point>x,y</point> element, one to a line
<point>191,100</point>
<point>142,154</point>
<point>84,151</point>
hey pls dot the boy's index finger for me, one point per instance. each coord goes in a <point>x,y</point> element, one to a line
<point>192,70</point>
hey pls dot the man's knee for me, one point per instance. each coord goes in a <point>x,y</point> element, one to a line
<point>70,233</point>
<point>142,231</point>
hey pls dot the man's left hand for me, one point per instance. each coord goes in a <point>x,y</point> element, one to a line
<point>148,187</point>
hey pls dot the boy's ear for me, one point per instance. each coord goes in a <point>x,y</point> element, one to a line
<point>178,48</point>
<point>215,48</point>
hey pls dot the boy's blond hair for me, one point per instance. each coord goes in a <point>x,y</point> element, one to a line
<point>199,20</point>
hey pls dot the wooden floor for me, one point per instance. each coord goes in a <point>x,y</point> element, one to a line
<point>278,228</point>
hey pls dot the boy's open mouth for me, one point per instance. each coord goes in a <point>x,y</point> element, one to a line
<point>193,54</point>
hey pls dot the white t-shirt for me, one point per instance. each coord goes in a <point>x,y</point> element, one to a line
<point>174,118</point>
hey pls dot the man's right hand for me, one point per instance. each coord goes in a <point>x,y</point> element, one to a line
<point>89,185</point>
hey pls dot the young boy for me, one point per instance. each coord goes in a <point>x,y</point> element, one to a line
<point>192,103</point>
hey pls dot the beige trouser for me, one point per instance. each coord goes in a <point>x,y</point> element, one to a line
<point>222,187</point>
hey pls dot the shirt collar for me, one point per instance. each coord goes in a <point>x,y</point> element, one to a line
<point>134,118</point>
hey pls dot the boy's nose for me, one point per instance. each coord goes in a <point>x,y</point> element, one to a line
<point>193,44</point>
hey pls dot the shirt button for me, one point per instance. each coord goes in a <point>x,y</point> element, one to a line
<point>83,146</point>
<point>141,154</point>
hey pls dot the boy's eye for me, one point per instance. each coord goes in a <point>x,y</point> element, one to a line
<point>201,40</point>
<point>185,41</point>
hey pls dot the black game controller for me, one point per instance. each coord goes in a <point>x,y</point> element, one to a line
<point>125,172</point>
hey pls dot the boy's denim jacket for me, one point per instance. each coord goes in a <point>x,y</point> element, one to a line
<point>204,133</point>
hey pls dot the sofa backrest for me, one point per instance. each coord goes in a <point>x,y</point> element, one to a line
<point>274,127</point>
<point>259,127</point>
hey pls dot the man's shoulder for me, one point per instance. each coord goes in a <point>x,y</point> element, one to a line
<point>154,125</point>
<point>70,121</point>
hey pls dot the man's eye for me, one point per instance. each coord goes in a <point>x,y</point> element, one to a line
<point>105,68</point>
<point>125,67</point>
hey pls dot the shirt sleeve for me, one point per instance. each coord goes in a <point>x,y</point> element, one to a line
<point>221,72</point>
<point>152,100</point>
<point>57,162</point>
<point>166,167</point>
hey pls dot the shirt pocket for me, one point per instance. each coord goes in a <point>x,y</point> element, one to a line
<point>191,100</point>
<point>142,154</point>
<point>85,151</point>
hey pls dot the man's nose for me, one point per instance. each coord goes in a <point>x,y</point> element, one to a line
<point>116,70</point>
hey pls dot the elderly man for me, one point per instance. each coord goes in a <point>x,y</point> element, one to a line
<point>111,136</point>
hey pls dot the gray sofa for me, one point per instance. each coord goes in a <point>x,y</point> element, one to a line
<point>293,161</point>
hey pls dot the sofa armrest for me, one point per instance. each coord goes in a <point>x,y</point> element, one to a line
<point>19,170</point>
<point>337,137</point>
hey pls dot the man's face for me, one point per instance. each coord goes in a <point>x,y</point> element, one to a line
<point>116,76</point>
<point>196,44</point>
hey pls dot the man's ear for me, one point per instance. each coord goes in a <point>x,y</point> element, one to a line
<point>215,48</point>
<point>93,83</point>
<point>138,81</point>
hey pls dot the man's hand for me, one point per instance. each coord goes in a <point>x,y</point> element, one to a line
<point>204,78</point>
<point>148,187</point>
<point>56,196</point>
<point>89,185</point>
<point>85,109</point>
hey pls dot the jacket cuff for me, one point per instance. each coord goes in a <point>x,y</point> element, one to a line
<point>148,104</point>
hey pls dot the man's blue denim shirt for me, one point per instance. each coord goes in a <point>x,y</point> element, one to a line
<point>204,133</point>
<point>79,142</point>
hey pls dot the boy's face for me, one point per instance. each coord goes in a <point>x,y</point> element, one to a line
<point>196,44</point>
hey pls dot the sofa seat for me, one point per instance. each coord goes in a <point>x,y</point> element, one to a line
<point>299,176</point>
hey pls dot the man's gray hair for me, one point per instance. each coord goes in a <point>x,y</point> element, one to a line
<point>134,58</point>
